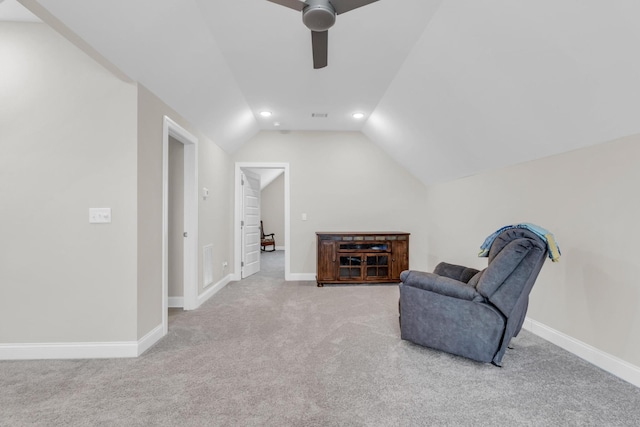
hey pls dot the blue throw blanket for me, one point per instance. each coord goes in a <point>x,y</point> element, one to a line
<point>552,244</point>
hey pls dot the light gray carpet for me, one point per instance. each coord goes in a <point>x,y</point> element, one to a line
<point>265,352</point>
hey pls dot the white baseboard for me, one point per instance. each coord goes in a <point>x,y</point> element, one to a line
<point>175,302</point>
<point>279,248</point>
<point>80,350</point>
<point>211,290</point>
<point>98,350</point>
<point>599,358</point>
<point>146,342</point>
<point>301,277</point>
<point>85,350</point>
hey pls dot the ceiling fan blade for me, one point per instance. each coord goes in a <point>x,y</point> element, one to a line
<point>320,44</point>
<point>293,4</point>
<point>342,6</point>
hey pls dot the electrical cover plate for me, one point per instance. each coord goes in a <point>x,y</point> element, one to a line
<point>99,215</point>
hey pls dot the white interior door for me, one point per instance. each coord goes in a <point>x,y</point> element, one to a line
<point>175,279</point>
<point>250,224</point>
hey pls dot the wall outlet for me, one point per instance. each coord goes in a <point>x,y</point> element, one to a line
<point>99,215</point>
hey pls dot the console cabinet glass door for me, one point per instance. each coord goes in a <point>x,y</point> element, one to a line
<point>377,266</point>
<point>350,267</point>
<point>368,267</point>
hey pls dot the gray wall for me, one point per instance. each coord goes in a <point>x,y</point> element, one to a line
<point>73,137</point>
<point>215,225</point>
<point>589,199</point>
<point>343,182</point>
<point>68,141</point>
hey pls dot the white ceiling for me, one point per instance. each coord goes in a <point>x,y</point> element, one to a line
<point>449,87</point>
<point>267,175</point>
<point>11,10</point>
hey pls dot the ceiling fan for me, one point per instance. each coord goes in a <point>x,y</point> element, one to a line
<point>319,16</point>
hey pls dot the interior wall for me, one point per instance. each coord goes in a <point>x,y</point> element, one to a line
<point>215,225</point>
<point>272,209</point>
<point>343,182</point>
<point>175,282</point>
<point>588,199</point>
<point>68,141</point>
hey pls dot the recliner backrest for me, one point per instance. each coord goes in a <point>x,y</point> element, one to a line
<point>515,259</point>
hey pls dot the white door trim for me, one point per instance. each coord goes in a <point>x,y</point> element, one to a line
<point>237,232</point>
<point>171,128</point>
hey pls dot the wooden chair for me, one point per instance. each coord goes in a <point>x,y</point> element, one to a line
<point>266,240</point>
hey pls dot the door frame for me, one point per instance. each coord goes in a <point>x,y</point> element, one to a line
<point>190,142</point>
<point>237,232</point>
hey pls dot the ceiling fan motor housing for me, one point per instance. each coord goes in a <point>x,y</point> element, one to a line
<point>319,15</point>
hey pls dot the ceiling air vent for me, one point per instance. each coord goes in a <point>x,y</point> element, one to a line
<point>320,115</point>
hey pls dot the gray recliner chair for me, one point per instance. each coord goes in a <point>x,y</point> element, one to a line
<point>473,313</point>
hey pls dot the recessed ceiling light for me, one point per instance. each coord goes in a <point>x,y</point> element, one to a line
<point>357,115</point>
<point>265,113</point>
<point>276,124</point>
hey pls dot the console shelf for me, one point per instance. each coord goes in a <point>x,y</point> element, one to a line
<point>361,257</point>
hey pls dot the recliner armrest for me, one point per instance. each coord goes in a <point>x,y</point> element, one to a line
<point>453,271</point>
<point>440,284</point>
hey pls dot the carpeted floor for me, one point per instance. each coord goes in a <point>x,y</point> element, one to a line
<point>265,352</point>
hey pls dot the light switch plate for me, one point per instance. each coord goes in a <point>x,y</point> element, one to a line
<point>99,215</point>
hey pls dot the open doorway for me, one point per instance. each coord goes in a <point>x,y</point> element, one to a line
<point>188,204</point>
<point>268,172</point>
<point>175,221</point>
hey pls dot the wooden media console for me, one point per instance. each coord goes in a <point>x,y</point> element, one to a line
<point>361,257</point>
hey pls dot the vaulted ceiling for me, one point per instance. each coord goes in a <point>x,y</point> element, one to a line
<point>449,88</point>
